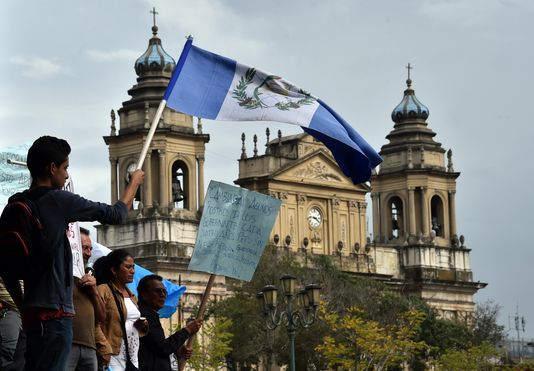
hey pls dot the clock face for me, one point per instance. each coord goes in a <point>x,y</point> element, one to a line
<point>314,217</point>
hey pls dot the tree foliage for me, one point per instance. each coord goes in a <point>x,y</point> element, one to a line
<point>358,343</point>
<point>477,358</point>
<point>485,326</point>
<point>210,350</point>
<point>375,308</point>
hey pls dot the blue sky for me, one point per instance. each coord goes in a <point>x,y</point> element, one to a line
<point>65,64</point>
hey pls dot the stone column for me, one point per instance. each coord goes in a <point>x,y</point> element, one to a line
<point>114,186</point>
<point>200,159</point>
<point>330,227</point>
<point>362,208</point>
<point>411,210</point>
<point>163,197</point>
<point>425,223</point>
<point>375,197</point>
<point>452,212</point>
<point>147,185</point>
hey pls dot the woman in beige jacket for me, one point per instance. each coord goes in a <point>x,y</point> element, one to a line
<point>113,272</point>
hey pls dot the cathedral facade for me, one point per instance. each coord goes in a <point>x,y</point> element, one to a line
<point>413,245</point>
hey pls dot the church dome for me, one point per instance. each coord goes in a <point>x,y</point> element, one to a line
<point>155,58</point>
<point>409,108</point>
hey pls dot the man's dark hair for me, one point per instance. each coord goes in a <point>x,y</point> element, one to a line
<point>143,282</point>
<point>43,152</point>
<point>84,231</point>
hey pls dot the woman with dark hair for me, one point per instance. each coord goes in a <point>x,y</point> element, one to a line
<point>117,338</point>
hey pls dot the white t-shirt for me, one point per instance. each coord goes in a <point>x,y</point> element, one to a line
<point>118,362</point>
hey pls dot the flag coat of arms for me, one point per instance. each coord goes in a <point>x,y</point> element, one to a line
<point>214,87</point>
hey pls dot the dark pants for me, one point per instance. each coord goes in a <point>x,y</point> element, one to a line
<point>82,358</point>
<point>12,341</point>
<point>48,344</point>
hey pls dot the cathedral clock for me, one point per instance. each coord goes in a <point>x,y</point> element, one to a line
<point>315,217</point>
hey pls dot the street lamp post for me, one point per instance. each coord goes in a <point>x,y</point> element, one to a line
<point>304,316</point>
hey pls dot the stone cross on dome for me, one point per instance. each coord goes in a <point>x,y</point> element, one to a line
<point>154,27</point>
<point>153,11</point>
<point>409,67</point>
<point>409,81</point>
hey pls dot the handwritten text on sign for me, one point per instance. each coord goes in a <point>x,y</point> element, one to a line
<point>234,229</point>
<point>13,178</point>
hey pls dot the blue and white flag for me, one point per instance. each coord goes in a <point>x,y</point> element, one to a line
<point>210,86</point>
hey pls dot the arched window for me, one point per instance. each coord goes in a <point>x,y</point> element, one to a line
<point>397,224</point>
<point>179,184</point>
<point>436,212</point>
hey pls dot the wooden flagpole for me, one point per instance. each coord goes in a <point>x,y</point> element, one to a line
<point>200,315</point>
<point>150,135</point>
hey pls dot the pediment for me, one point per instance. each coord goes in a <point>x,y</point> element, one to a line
<point>317,168</point>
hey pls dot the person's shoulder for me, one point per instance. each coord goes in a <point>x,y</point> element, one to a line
<point>58,195</point>
<point>103,286</point>
<point>54,192</point>
<point>104,289</point>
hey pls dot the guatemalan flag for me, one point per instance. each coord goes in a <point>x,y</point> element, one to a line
<point>210,86</point>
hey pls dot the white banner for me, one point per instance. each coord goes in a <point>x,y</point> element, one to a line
<point>73,234</point>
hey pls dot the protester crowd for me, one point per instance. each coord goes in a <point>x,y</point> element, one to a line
<point>54,321</point>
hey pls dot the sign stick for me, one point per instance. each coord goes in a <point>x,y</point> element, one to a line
<point>150,135</point>
<point>15,162</point>
<point>200,315</point>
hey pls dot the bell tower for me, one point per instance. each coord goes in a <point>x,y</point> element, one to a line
<point>175,160</point>
<point>161,229</point>
<point>414,193</point>
<point>414,211</point>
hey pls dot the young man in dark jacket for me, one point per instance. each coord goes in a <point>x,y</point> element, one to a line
<point>47,309</point>
<point>155,349</point>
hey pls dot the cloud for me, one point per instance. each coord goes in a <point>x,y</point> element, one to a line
<point>204,19</point>
<point>38,68</point>
<point>467,13</point>
<point>121,54</point>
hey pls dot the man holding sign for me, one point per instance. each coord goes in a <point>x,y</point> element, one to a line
<point>48,308</point>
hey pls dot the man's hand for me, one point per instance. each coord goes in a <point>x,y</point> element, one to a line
<point>141,325</point>
<point>193,326</point>
<point>106,358</point>
<point>88,281</point>
<point>137,177</point>
<point>184,352</point>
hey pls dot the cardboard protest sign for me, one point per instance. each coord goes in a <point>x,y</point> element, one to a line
<point>233,231</point>
<point>73,234</point>
<point>13,178</point>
